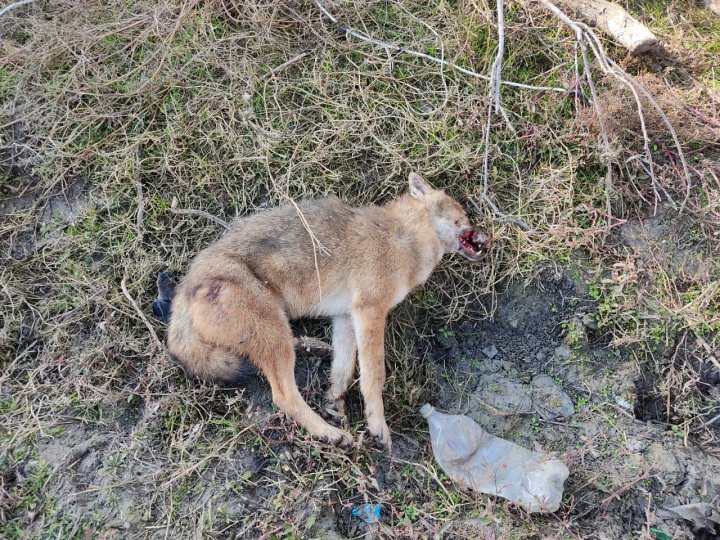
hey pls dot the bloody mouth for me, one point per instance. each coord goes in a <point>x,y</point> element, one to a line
<point>473,243</point>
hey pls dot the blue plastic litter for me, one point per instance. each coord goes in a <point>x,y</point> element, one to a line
<point>369,513</point>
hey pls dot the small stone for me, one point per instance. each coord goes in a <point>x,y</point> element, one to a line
<point>425,108</point>
<point>490,351</point>
<point>563,352</point>
<point>663,460</point>
<point>549,399</point>
<point>503,395</point>
<point>589,321</point>
<point>636,446</point>
<point>540,356</point>
<point>446,341</point>
<point>624,403</point>
<point>466,328</point>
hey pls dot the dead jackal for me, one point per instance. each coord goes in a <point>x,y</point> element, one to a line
<point>325,259</point>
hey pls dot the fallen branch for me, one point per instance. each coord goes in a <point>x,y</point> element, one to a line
<point>202,213</point>
<point>613,20</point>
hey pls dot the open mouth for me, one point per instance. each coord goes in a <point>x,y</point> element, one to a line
<point>474,243</point>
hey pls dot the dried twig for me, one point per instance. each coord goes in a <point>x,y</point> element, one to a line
<point>139,225</point>
<point>202,213</point>
<point>277,69</point>
<point>9,8</point>
<point>123,285</point>
<point>494,94</point>
<point>397,49</point>
<point>710,422</point>
<point>616,495</point>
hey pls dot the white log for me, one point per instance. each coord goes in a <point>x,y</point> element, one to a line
<point>713,5</point>
<point>613,20</point>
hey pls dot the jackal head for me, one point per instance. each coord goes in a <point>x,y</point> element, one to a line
<point>450,222</point>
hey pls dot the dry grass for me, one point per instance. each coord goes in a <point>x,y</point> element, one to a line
<point>232,106</point>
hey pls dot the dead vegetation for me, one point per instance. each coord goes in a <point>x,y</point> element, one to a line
<point>110,111</point>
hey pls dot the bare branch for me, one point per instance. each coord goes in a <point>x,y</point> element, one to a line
<point>494,102</point>
<point>585,35</point>
<point>397,49</point>
<point>11,7</point>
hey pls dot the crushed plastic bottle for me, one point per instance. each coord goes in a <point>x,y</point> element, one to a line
<point>492,465</point>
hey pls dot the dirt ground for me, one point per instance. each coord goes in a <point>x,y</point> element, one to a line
<point>595,338</point>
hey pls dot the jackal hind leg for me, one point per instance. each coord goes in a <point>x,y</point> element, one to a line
<point>245,319</point>
<point>343,366</point>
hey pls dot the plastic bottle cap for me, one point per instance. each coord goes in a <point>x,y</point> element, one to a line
<point>426,410</point>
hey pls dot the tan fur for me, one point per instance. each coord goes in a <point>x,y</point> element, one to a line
<point>240,293</point>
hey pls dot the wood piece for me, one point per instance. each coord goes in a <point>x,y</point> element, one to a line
<point>310,345</point>
<point>614,21</point>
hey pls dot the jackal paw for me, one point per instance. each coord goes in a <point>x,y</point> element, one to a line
<point>338,437</point>
<point>381,431</point>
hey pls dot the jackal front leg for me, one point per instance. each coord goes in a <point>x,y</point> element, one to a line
<point>369,324</point>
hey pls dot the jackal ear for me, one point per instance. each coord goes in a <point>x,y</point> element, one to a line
<point>419,188</point>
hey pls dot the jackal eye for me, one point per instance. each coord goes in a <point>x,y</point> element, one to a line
<point>457,223</point>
